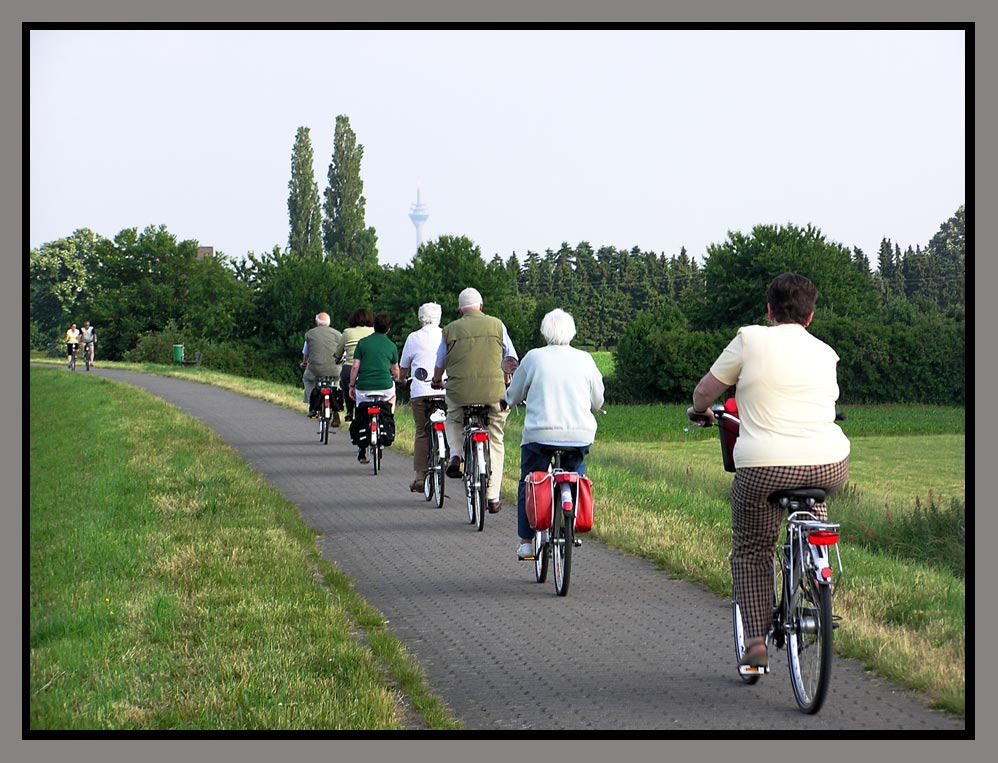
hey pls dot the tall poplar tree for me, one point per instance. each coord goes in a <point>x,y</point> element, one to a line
<point>344,233</point>
<point>304,205</point>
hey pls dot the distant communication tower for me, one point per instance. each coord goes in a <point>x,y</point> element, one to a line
<point>418,215</point>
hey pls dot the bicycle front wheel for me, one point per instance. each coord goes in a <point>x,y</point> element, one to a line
<point>562,541</point>
<point>468,480</point>
<point>809,641</point>
<point>542,555</point>
<point>738,627</point>
<point>436,479</point>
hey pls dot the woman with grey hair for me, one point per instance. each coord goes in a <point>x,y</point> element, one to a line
<point>420,351</point>
<point>562,388</point>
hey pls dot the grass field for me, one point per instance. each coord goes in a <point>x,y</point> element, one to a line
<point>662,494</point>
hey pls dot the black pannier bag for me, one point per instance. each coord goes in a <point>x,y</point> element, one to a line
<point>361,421</point>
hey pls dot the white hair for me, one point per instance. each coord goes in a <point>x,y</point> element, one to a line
<point>322,319</point>
<point>429,314</point>
<point>558,327</point>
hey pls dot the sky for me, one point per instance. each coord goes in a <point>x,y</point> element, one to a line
<point>660,139</point>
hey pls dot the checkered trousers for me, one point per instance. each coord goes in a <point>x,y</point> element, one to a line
<point>755,527</point>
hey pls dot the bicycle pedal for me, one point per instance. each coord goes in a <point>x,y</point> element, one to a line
<point>527,558</point>
<point>749,670</point>
<point>576,542</point>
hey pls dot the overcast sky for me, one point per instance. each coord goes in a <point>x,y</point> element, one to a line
<point>518,139</point>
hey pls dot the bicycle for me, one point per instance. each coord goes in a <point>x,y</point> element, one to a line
<point>438,451</point>
<point>72,357</point>
<point>326,386</point>
<point>376,448</point>
<point>803,586</point>
<point>88,351</point>
<point>436,457</point>
<point>558,539</point>
<point>477,469</point>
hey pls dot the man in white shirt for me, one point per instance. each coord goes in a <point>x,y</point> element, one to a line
<point>420,352</point>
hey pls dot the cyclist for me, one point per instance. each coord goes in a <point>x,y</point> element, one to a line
<point>473,350</point>
<point>375,371</point>
<point>788,438</point>
<point>319,360</point>
<point>562,388</point>
<point>420,351</point>
<point>88,335</point>
<point>72,342</point>
<point>359,324</point>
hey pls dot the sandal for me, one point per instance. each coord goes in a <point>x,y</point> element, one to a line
<point>756,656</point>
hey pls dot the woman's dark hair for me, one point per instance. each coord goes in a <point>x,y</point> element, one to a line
<point>792,298</point>
<point>382,323</point>
<point>360,317</point>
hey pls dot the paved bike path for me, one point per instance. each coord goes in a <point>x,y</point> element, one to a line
<point>629,648</point>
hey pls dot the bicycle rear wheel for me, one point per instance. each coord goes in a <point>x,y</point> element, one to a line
<point>809,641</point>
<point>562,542</point>
<point>375,445</point>
<point>323,430</point>
<point>86,359</point>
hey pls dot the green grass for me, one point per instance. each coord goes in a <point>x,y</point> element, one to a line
<point>661,493</point>
<point>171,588</point>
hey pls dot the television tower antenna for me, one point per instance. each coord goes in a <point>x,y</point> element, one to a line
<point>418,215</point>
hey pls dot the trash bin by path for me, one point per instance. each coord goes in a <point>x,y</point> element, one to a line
<point>178,353</point>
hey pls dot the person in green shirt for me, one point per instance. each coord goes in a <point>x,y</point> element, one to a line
<point>375,368</point>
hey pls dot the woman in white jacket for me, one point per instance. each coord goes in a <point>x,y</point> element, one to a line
<point>562,388</point>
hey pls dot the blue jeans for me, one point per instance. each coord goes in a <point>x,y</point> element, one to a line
<point>534,459</point>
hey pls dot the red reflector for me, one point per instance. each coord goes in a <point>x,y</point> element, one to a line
<point>567,505</point>
<point>826,573</point>
<point>572,477</point>
<point>438,426</point>
<point>324,391</point>
<point>823,538</point>
<point>373,411</point>
<point>480,436</point>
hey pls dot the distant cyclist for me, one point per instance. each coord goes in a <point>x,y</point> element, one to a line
<point>88,335</point>
<point>319,360</point>
<point>72,343</point>
<point>420,351</point>
<point>359,324</point>
<point>374,372</point>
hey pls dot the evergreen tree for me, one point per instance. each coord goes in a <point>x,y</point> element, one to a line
<point>304,206</point>
<point>343,231</point>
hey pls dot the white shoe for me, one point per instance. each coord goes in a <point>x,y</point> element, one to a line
<point>525,550</point>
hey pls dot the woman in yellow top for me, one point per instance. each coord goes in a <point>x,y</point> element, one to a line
<point>359,324</point>
<point>72,342</point>
<point>786,390</point>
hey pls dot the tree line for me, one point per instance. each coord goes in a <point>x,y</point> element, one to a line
<point>898,327</point>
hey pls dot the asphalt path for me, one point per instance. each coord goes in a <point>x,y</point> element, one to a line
<point>629,649</point>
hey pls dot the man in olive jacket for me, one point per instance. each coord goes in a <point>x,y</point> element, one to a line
<point>319,358</point>
<point>473,351</point>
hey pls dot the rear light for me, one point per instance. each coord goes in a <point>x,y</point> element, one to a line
<point>324,391</point>
<point>373,411</point>
<point>480,436</point>
<point>823,538</point>
<point>572,477</point>
<point>438,426</point>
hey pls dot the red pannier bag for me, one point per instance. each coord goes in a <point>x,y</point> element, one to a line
<point>584,506</point>
<point>540,499</point>
<point>729,433</point>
